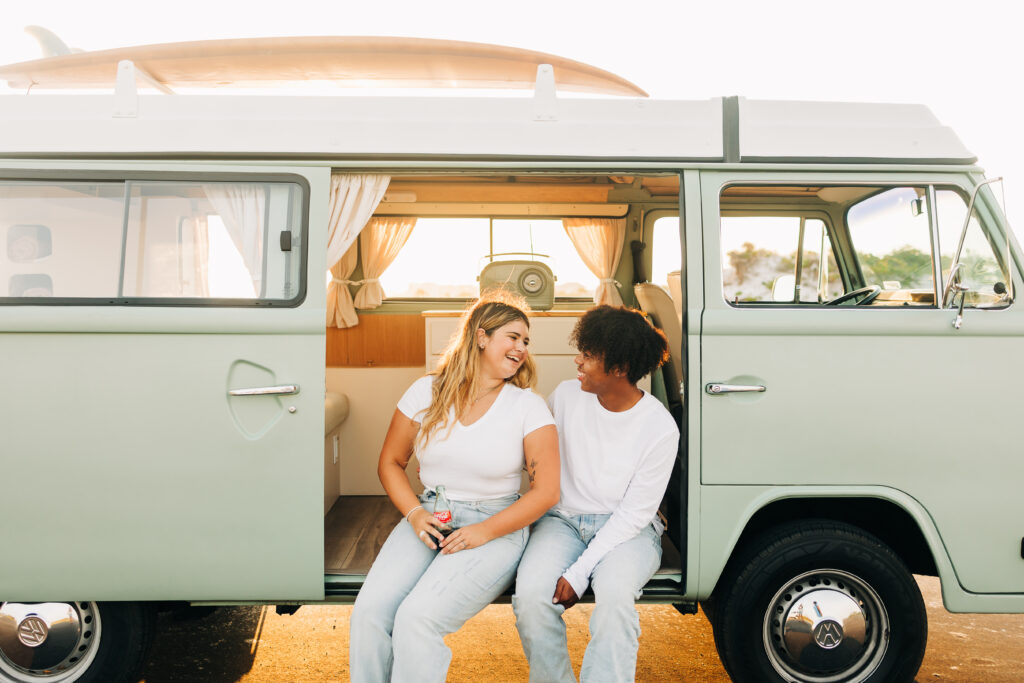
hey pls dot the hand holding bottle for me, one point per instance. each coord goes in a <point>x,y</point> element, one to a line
<point>432,526</point>
<point>426,527</point>
<point>466,538</point>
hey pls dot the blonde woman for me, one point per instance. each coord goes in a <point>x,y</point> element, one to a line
<point>473,424</point>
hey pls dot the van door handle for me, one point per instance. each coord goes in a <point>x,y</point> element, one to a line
<point>713,388</point>
<point>281,390</point>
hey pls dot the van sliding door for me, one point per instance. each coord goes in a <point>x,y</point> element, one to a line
<point>162,358</point>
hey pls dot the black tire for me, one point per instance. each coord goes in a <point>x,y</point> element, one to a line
<point>118,638</point>
<point>128,633</point>
<point>867,620</point>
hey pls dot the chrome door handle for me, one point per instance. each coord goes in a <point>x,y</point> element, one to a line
<point>282,390</point>
<point>714,388</point>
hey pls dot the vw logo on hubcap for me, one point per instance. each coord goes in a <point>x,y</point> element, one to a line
<point>32,631</point>
<point>828,634</point>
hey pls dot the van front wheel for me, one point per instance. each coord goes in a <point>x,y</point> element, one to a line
<point>820,602</point>
<point>68,642</point>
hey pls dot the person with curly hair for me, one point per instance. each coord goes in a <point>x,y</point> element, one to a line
<point>474,424</point>
<point>617,444</point>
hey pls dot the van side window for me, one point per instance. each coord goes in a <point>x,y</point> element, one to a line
<point>762,259</point>
<point>666,251</point>
<point>145,240</point>
<point>61,238</point>
<point>890,235</point>
<point>979,268</point>
<point>853,245</point>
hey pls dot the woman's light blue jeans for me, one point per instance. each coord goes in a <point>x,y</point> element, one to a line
<point>414,596</point>
<point>556,541</point>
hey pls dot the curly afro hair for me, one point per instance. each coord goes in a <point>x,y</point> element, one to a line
<point>623,339</point>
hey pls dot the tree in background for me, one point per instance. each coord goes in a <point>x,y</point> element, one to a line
<point>906,265</point>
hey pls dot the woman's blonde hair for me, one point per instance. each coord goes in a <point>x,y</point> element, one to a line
<point>457,374</point>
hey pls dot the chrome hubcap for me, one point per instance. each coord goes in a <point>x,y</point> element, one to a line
<point>826,626</point>
<point>51,641</point>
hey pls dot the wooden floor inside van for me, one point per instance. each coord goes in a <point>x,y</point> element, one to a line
<point>356,527</point>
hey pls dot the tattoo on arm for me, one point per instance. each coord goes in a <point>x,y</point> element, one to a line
<point>531,470</point>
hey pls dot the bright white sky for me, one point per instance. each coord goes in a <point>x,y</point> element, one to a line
<point>961,59</point>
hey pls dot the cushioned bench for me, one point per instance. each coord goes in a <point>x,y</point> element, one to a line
<point>335,411</point>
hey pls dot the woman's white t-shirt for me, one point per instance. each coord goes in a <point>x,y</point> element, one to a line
<point>485,459</point>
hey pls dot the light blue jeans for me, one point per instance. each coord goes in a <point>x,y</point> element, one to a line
<point>556,541</point>
<point>414,596</point>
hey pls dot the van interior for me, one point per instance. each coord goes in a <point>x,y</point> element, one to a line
<point>472,232</point>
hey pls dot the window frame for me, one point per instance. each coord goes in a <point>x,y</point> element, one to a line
<point>647,235</point>
<point>806,214</point>
<point>963,181</point>
<point>126,178</point>
<point>985,222</point>
<point>981,206</point>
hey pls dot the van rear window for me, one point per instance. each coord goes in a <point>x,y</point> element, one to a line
<point>444,256</point>
<point>151,241</point>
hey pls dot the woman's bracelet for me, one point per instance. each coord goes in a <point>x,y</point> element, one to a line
<point>418,507</point>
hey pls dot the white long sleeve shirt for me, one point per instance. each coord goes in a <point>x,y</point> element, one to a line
<point>616,463</point>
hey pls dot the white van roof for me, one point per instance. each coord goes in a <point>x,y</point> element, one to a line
<point>719,129</point>
<point>729,129</point>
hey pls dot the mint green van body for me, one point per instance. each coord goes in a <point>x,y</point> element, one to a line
<point>131,477</point>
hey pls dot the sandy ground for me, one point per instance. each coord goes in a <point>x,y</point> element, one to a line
<point>253,645</point>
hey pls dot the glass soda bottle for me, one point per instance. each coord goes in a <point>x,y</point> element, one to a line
<point>443,513</point>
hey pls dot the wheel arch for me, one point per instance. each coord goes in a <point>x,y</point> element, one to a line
<point>901,525</point>
<point>806,587</point>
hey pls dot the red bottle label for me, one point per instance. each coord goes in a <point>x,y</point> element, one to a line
<point>443,516</point>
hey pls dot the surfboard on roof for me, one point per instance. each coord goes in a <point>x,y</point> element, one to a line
<point>344,61</point>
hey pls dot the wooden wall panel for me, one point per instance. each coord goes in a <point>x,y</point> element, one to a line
<point>391,341</point>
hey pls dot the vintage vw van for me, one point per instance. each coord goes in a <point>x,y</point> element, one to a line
<point>193,402</point>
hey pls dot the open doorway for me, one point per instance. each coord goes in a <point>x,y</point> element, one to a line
<point>464,224</point>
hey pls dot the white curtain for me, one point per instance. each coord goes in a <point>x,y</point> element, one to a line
<point>353,200</point>
<point>240,206</point>
<point>598,241</point>
<point>341,311</point>
<point>380,241</point>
